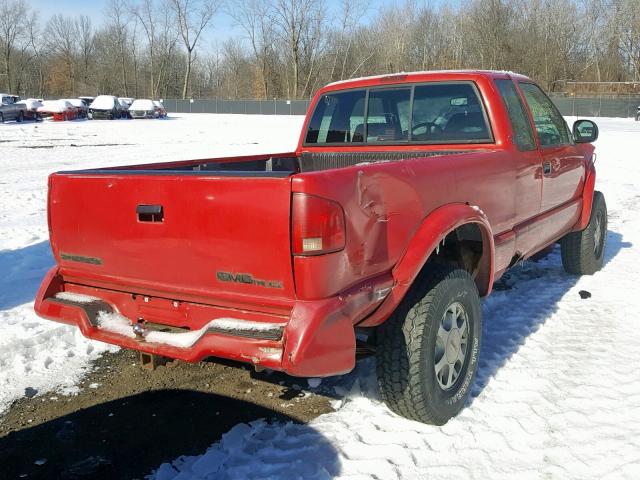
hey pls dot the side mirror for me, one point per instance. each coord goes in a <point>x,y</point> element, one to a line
<point>585,131</point>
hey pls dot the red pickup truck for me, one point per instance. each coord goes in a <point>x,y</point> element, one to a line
<point>407,197</point>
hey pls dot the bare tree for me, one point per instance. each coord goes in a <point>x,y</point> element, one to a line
<point>298,24</point>
<point>13,14</point>
<point>192,16</point>
<point>157,23</point>
<point>117,13</point>
<point>255,19</point>
<point>86,45</point>
<point>61,42</point>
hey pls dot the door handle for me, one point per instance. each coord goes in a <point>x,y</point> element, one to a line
<point>546,168</point>
<point>150,213</point>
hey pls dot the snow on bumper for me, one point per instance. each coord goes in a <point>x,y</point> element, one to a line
<point>315,339</point>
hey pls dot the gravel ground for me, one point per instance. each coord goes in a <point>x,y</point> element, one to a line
<point>126,420</point>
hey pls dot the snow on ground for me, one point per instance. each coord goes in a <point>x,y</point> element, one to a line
<point>558,387</point>
<point>37,356</point>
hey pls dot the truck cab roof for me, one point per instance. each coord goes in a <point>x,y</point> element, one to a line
<point>420,76</point>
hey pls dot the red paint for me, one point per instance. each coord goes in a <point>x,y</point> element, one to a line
<point>379,224</point>
<point>69,113</point>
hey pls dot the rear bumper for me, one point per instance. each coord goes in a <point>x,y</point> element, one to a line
<point>317,337</point>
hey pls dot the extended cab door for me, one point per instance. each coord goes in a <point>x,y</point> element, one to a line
<point>528,161</point>
<point>562,163</point>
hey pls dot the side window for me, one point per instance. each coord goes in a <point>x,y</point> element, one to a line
<point>550,126</point>
<point>336,117</point>
<point>448,113</point>
<point>522,132</point>
<point>387,116</point>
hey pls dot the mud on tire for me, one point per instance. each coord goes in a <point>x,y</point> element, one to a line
<point>421,336</point>
<point>583,252</point>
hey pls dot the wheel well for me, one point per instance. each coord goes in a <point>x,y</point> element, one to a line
<point>463,247</point>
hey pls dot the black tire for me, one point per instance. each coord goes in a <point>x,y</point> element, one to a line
<point>20,117</point>
<point>583,252</point>
<point>409,344</point>
<point>1,118</point>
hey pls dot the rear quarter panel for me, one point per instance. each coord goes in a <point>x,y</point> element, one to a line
<point>386,203</point>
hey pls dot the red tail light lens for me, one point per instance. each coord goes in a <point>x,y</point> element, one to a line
<point>317,225</point>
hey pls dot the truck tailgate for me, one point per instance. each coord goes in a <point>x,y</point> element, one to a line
<point>219,237</point>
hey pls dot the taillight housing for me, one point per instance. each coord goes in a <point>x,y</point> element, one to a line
<point>317,225</point>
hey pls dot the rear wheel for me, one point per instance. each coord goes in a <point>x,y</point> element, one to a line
<point>428,350</point>
<point>583,252</point>
<point>20,117</point>
<point>1,118</point>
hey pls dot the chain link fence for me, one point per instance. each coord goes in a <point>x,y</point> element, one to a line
<point>248,107</point>
<point>569,105</point>
<point>600,106</point>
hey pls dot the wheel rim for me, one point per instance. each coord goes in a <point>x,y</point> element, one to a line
<point>451,345</point>
<point>598,235</point>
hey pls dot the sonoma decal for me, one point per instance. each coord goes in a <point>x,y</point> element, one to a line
<point>247,278</point>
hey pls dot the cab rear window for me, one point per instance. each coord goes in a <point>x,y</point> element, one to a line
<point>427,113</point>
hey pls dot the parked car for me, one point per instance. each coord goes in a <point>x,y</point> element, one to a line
<point>162,112</point>
<point>31,108</point>
<point>407,197</point>
<point>11,108</point>
<point>124,104</point>
<point>143,108</point>
<point>87,100</point>
<point>106,107</point>
<point>59,110</point>
<point>81,107</point>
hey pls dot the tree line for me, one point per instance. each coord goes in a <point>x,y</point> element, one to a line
<point>290,48</point>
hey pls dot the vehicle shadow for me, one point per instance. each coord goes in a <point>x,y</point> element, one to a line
<point>26,121</point>
<point>22,271</point>
<point>522,300</point>
<point>132,436</point>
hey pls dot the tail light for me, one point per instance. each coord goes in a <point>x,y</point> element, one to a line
<point>317,225</point>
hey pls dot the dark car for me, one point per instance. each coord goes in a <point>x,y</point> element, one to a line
<point>125,103</point>
<point>106,107</point>
<point>10,109</point>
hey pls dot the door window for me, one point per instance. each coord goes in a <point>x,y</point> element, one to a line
<point>550,126</point>
<point>448,112</point>
<point>522,132</point>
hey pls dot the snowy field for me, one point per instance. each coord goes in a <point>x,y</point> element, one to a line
<point>558,388</point>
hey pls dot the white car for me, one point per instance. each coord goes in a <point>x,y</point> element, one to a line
<point>143,108</point>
